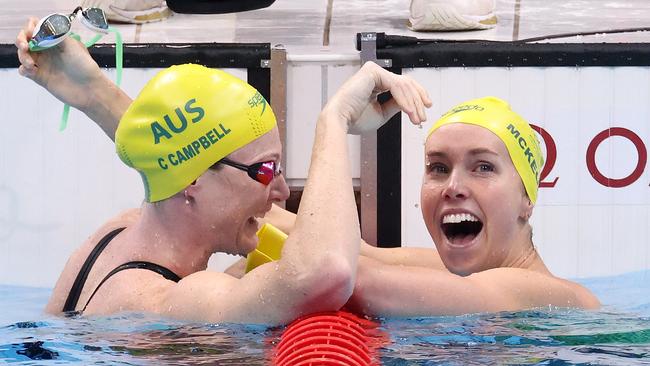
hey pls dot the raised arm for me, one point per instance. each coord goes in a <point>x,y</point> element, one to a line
<point>69,73</point>
<point>317,270</point>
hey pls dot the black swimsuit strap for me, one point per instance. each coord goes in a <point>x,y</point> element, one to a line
<point>80,281</point>
<point>136,265</point>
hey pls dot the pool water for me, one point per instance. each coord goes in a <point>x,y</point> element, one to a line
<point>618,334</point>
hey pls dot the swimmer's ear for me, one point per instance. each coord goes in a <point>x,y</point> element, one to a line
<point>189,192</point>
<point>526,208</point>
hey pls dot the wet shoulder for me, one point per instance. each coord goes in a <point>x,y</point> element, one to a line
<point>531,288</point>
<point>584,297</point>
<point>78,257</point>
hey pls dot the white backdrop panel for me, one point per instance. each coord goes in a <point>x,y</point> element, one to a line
<point>309,87</point>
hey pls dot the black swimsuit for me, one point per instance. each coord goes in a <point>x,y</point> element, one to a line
<point>75,291</point>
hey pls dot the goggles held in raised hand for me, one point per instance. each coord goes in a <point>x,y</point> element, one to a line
<point>54,28</point>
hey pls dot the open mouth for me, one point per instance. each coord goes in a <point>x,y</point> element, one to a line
<point>461,229</point>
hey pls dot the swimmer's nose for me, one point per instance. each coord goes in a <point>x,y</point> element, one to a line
<point>455,187</point>
<point>279,189</point>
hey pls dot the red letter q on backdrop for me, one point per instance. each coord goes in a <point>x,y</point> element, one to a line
<point>640,166</point>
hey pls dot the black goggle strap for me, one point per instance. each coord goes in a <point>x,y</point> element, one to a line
<point>243,167</point>
<point>74,12</point>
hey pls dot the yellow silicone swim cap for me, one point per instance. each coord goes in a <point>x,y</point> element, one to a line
<point>519,138</point>
<point>186,119</point>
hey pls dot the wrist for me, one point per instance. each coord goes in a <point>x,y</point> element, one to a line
<point>106,104</point>
<point>99,92</point>
<point>333,116</point>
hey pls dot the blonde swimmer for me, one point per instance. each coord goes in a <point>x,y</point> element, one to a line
<point>482,164</point>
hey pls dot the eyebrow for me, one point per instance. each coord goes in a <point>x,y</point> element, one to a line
<point>476,151</point>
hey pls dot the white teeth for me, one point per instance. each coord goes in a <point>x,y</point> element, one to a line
<point>457,218</point>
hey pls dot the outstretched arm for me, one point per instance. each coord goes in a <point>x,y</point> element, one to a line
<point>69,73</point>
<point>389,290</point>
<point>418,257</point>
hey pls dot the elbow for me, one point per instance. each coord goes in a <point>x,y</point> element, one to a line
<point>365,299</point>
<point>336,277</point>
<point>326,287</point>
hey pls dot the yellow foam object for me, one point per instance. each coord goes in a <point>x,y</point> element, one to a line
<point>184,120</point>
<point>515,132</point>
<point>269,247</point>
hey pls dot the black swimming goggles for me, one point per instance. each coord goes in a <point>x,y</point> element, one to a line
<point>54,28</point>
<point>263,172</point>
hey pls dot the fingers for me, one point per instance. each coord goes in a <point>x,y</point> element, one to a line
<point>410,99</point>
<point>26,33</point>
<point>28,65</point>
<point>409,95</point>
<point>27,62</point>
<point>30,73</point>
<point>420,97</point>
<point>29,28</point>
<point>412,87</point>
<point>403,96</point>
<point>423,94</point>
<point>419,106</point>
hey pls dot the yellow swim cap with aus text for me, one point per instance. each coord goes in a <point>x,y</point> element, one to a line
<point>520,139</point>
<point>184,120</point>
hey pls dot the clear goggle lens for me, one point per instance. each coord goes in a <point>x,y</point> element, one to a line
<point>95,19</point>
<point>53,27</point>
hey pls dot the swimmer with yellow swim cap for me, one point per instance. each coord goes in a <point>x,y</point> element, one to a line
<point>207,148</point>
<point>482,168</point>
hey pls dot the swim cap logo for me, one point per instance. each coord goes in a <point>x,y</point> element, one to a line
<point>256,100</point>
<point>524,147</point>
<point>463,108</point>
<point>159,131</point>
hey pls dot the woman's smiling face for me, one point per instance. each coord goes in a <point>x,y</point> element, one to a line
<point>473,201</point>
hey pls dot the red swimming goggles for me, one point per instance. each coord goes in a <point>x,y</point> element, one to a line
<point>263,172</point>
